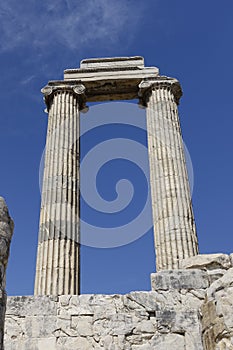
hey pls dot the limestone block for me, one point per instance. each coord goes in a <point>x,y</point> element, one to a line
<point>224,306</point>
<point>83,325</point>
<point>193,298</point>
<point>168,342</point>
<point>112,342</point>
<point>215,274</point>
<point>179,279</point>
<point>206,261</point>
<point>120,324</point>
<point>64,300</point>
<point>224,282</point>
<point>142,347</point>
<point>225,344</point>
<point>186,320</point>
<point>217,311</point>
<point>193,340</point>
<point>47,343</point>
<point>73,343</point>
<point>39,326</point>
<point>209,315</point>
<point>22,344</point>
<point>13,328</point>
<point>231,257</point>
<point>142,300</point>
<point>32,306</point>
<point>81,305</point>
<point>146,326</point>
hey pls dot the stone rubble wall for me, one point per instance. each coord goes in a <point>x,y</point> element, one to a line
<point>6,231</point>
<point>187,309</point>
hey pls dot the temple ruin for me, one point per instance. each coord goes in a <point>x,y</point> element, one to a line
<point>190,304</point>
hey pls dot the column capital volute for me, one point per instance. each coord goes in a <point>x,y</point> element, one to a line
<point>146,86</point>
<point>77,89</point>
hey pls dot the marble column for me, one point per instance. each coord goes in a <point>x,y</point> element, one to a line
<point>58,256</point>
<point>174,226</point>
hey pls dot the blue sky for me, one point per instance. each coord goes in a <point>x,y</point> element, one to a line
<point>188,40</point>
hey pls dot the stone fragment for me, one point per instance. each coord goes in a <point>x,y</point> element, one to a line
<point>83,325</point>
<point>225,344</point>
<point>142,300</point>
<point>231,257</point>
<point>64,300</point>
<point>6,232</point>
<point>193,299</point>
<point>193,340</point>
<point>39,326</point>
<point>47,343</point>
<point>145,326</point>
<point>215,274</point>
<point>168,342</point>
<point>206,262</point>
<point>224,282</point>
<point>73,343</point>
<point>142,347</point>
<point>217,311</point>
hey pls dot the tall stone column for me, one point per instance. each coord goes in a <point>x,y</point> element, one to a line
<point>174,226</point>
<point>57,268</point>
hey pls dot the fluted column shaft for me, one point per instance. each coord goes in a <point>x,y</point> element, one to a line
<point>57,268</point>
<point>174,227</point>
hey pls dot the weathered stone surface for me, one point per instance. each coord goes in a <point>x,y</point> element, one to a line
<point>206,262</point>
<point>184,312</point>
<point>57,267</point>
<point>174,228</point>
<point>139,320</point>
<point>224,282</point>
<point>179,279</point>
<point>102,79</point>
<point>231,257</point>
<point>112,62</point>
<point>215,274</point>
<point>32,306</point>
<point>6,231</point>
<point>217,311</point>
<point>168,342</point>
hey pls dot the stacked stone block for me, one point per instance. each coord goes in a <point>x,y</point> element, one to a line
<point>189,308</point>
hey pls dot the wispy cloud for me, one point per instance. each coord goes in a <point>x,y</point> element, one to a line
<point>70,23</point>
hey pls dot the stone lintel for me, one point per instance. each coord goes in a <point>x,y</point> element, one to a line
<point>115,73</point>
<point>116,89</point>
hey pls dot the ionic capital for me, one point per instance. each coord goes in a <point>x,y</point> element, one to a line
<point>148,85</point>
<point>78,90</point>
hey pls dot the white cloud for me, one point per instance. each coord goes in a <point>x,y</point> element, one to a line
<point>70,23</point>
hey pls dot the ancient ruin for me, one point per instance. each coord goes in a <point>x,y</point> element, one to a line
<point>190,304</point>
<point>57,270</point>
